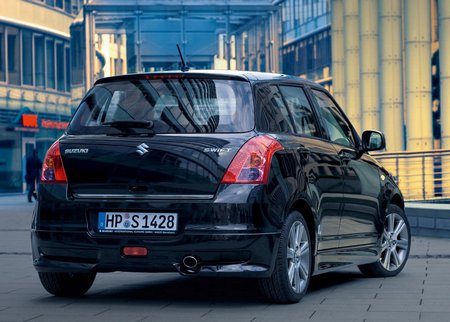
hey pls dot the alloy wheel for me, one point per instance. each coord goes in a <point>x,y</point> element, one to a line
<point>395,242</point>
<point>298,258</point>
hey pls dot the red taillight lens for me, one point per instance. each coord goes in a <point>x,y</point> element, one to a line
<point>52,167</point>
<point>252,162</point>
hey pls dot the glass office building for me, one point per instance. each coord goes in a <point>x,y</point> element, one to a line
<point>35,82</point>
<point>295,39</point>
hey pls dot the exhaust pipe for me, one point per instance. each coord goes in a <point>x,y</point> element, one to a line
<point>191,263</point>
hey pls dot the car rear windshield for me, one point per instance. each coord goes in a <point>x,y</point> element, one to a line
<point>165,106</point>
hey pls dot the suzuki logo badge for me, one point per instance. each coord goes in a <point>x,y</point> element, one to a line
<point>142,149</point>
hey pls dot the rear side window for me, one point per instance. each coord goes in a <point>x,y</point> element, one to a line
<point>170,105</point>
<point>285,109</point>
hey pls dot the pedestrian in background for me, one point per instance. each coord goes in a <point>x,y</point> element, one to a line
<point>33,167</point>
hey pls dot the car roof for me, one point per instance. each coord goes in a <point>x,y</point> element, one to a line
<point>231,74</point>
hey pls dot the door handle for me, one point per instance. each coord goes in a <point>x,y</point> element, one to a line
<point>304,152</point>
<point>346,155</point>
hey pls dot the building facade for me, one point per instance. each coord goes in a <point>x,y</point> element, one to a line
<point>150,30</point>
<point>294,38</point>
<point>384,60</point>
<point>392,60</point>
<point>35,81</point>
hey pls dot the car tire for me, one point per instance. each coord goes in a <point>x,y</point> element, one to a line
<point>67,284</point>
<point>293,267</point>
<point>395,243</point>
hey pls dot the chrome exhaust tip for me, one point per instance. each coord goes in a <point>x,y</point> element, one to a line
<point>190,262</point>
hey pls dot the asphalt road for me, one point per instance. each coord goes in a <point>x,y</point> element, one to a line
<point>420,293</point>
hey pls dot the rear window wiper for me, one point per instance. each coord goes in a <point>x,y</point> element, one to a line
<point>130,124</point>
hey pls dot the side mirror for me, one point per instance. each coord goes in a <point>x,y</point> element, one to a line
<point>372,141</point>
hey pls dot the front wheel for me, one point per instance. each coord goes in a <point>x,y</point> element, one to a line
<point>66,284</point>
<point>290,278</point>
<point>395,245</point>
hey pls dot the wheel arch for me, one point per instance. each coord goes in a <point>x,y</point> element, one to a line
<point>305,209</point>
<point>398,201</point>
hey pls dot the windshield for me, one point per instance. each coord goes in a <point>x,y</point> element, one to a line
<point>165,106</point>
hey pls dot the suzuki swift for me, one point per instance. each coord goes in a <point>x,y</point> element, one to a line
<point>215,173</point>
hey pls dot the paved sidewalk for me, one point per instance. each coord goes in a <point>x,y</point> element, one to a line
<point>420,293</point>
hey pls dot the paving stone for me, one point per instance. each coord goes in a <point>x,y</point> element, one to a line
<point>434,317</point>
<point>420,291</point>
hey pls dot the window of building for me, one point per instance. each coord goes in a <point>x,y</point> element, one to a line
<point>309,57</point>
<point>297,12</point>
<point>320,7</point>
<point>33,59</point>
<point>78,59</point>
<point>60,64</point>
<point>76,6</point>
<point>68,6</point>
<point>291,14</point>
<point>13,56</point>
<point>2,54</point>
<point>27,57</point>
<point>262,62</point>
<point>67,58</point>
<point>50,59</point>
<point>39,60</point>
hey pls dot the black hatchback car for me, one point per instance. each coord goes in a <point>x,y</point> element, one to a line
<point>217,174</point>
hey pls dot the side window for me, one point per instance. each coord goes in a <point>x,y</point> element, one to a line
<point>273,115</point>
<point>285,109</point>
<point>335,124</point>
<point>300,110</point>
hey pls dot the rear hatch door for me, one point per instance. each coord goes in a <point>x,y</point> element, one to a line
<point>157,134</point>
<point>162,166</point>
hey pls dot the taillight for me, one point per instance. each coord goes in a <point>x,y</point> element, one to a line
<point>52,167</point>
<point>252,162</point>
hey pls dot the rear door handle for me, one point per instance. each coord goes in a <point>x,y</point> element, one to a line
<point>304,152</point>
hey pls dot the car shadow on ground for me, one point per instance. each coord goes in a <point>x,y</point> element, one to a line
<point>191,290</point>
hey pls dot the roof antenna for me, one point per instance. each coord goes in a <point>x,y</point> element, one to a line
<point>184,67</point>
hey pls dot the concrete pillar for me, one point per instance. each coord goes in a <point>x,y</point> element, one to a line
<point>238,46</point>
<point>418,93</point>
<point>228,40</point>
<point>276,42</point>
<point>352,80</point>
<point>444,69</point>
<point>368,13</point>
<point>418,74</point>
<point>138,42</point>
<point>391,73</point>
<point>269,41</point>
<point>337,51</point>
<point>89,37</point>
<point>119,53</point>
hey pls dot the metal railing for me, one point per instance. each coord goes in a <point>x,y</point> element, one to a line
<point>423,175</point>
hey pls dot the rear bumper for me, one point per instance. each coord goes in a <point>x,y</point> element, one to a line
<point>246,255</point>
<point>234,234</point>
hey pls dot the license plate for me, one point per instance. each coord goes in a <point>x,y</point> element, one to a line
<point>137,222</point>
